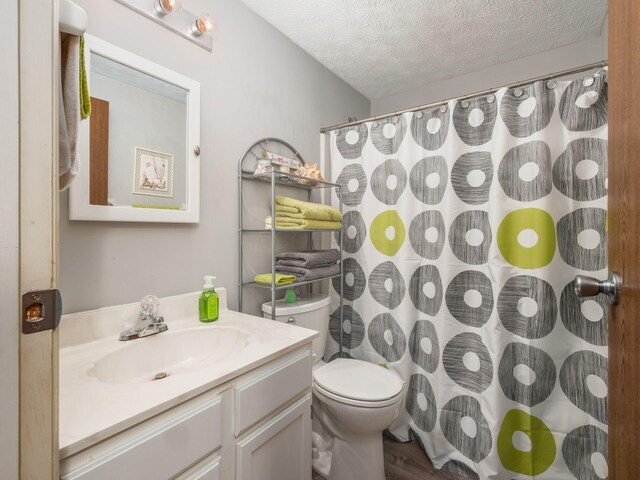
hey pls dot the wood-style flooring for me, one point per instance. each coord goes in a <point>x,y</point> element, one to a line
<point>407,461</point>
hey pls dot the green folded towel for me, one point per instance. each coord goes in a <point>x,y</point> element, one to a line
<point>281,279</point>
<point>307,210</point>
<point>306,224</point>
<point>285,209</point>
<point>85,99</point>
<point>283,212</point>
<point>286,216</point>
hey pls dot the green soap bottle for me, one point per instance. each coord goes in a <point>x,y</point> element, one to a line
<point>208,301</point>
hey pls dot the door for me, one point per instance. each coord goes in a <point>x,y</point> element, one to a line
<point>38,227</point>
<point>280,449</point>
<point>624,232</point>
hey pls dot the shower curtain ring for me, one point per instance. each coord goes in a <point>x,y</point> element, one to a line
<point>601,70</point>
<point>517,92</point>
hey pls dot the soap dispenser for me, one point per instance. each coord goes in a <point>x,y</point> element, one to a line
<point>208,301</point>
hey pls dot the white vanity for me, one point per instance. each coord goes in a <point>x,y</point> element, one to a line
<point>232,401</point>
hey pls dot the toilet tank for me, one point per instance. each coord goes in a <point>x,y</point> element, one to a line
<point>309,311</point>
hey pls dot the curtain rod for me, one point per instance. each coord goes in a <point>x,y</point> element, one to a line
<point>564,73</point>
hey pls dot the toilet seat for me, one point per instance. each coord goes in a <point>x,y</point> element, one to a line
<point>353,402</point>
<point>357,383</point>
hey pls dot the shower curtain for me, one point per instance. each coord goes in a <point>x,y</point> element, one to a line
<point>465,225</point>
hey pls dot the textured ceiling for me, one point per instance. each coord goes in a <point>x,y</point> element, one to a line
<point>384,47</point>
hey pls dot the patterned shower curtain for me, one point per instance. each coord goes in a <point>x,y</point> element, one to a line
<point>464,228</point>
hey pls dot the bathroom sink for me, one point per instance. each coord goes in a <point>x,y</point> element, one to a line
<point>168,353</point>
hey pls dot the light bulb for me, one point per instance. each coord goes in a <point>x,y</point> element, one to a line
<point>164,7</point>
<point>203,24</point>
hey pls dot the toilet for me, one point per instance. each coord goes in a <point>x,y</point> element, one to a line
<point>353,401</point>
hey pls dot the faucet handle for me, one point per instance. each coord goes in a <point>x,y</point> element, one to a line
<point>149,306</point>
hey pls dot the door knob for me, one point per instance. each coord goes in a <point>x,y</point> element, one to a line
<point>590,287</point>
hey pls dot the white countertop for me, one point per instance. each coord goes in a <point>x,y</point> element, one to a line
<point>92,410</point>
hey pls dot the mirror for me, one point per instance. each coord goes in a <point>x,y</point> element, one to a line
<point>139,147</point>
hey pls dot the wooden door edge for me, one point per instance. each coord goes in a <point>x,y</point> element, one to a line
<point>39,84</point>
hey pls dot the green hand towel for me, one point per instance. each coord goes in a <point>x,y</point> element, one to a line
<point>281,279</point>
<point>85,99</point>
<point>308,210</point>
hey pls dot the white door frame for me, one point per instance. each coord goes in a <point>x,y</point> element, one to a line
<point>9,239</point>
<point>39,77</point>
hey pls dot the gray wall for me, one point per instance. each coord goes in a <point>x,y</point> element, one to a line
<point>9,208</point>
<point>578,54</point>
<point>145,119</point>
<point>255,83</point>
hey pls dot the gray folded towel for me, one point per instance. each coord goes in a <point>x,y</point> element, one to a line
<point>309,258</point>
<point>300,264</point>
<point>307,274</point>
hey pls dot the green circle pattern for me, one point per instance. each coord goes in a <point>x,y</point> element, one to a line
<point>543,445</point>
<point>517,255</point>
<point>389,218</point>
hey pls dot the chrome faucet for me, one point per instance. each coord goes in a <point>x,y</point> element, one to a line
<point>149,323</point>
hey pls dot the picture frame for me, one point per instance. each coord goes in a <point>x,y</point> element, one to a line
<point>153,173</point>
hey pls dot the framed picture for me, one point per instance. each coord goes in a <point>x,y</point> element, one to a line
<point>153,173</point>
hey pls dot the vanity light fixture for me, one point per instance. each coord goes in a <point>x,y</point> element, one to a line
<point>172,15</point>
<point>203,24</point>
<point>165,7</point>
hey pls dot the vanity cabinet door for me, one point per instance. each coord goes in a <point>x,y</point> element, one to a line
<point>263,394</point>
<point>280,449</point>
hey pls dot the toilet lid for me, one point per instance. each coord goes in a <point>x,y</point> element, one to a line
<point>358,380</point>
